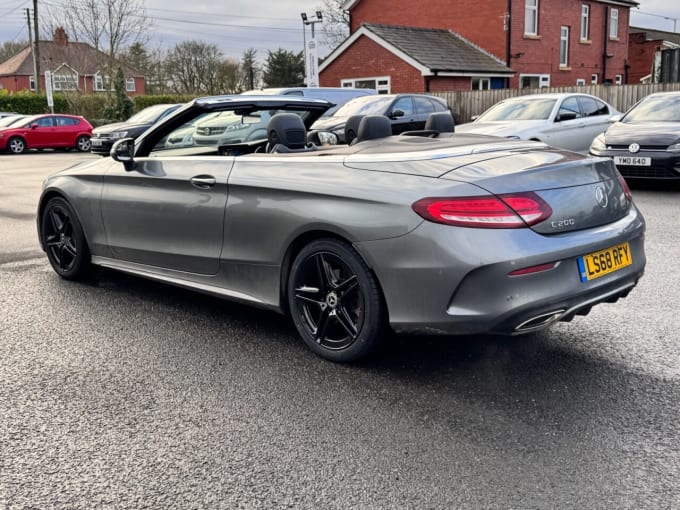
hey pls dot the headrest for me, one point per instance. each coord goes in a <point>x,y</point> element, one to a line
<point>373,127</point>
<point>352,127</point>
<point>287,129</point>
<point>440,121</point>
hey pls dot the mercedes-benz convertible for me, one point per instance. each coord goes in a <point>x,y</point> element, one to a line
<point>429,231</point>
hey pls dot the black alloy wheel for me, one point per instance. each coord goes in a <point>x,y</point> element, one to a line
<point>335,301</point>
<point>64,241</point>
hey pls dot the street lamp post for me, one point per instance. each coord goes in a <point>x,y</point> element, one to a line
<point>311,57</point>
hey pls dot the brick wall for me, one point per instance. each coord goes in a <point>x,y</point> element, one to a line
<point>641,56</point>
<point>366,59</point>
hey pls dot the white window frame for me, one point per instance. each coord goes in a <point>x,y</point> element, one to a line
<point>594,78</point>
<point>130,85</point>
<point>383,84</point>
<point>31,83</point>
<point>580,82</point>
<point>585,22</point>
<point>98,82</point>
<point>613,23</point>
<point>543,79</point>
<point>531,17</point>
<point>619,79</point>
<point>65,81</point>
<point>482,83</point>
<point>564,46</point>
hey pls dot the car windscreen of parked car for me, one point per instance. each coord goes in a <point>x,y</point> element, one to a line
<point>662,108</point>
<point>9,120</point>
<point>369,105</point>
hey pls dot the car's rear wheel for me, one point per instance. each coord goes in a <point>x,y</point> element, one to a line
<point>64,241</point>
<point>16,145</point>
<point>83,143</point>
<point>335,301</point>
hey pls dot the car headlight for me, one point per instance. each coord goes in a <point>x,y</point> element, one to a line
<point>674,148</point>
<point>118,134</point>
<point>237,127</point>
<point>598,144</point>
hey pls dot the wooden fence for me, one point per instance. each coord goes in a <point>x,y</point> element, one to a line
<point>473,102</point>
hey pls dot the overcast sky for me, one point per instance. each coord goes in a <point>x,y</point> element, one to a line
<point>235,25</point>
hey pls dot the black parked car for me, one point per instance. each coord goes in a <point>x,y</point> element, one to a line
<point>105,136</point>
<point>407,112</point>
<point>645,142</point>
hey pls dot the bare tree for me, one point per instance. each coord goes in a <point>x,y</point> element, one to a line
<point>194,68</point>
<point>335,24</point>
<point>107,25</point>
<point>11,48</point>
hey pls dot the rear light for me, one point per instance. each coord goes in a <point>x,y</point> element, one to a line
<point>624,185</point>
<point>502,211</point>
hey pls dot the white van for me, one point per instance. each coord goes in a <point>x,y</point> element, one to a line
<point>336,95</point>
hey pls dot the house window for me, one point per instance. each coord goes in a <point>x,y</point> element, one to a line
<point>130,84</point>
<point>619,79</point>
<point>580,82</point>
<point>98,82</point>
<point>585,21</point>
<point>381,84</point>
<point>614,24</point>
<point>481,84</point>
<point>564,46</point>
<point>531,17</point>
<point>593,79</point>
<point>65,81</point>
<point>534,81</point>
<point>31,83</point>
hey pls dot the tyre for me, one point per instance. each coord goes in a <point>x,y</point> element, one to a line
<point>63,239</point>
<point>83,143</point>
<point>334,301</point>
<point>16,145</point>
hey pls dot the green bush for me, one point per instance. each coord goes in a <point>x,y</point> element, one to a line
<point>142,102</point>
<point>30,103</point>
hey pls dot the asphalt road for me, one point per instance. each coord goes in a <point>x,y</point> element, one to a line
<point>124,393</point>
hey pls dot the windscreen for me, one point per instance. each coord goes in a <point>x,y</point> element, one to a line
<point>655,109</point>
<point>525,109</point>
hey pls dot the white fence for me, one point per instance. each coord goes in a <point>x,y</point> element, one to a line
<point>468,103</point>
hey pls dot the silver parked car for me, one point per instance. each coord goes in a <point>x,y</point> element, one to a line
<point>567,121</point>
<point>444,233</point>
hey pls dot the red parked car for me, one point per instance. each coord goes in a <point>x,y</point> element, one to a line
<point>47,131</point>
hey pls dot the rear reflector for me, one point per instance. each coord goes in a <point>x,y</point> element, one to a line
<point>503,211</point>
<point>533,269</point>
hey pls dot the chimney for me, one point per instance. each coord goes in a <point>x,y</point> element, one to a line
<point>60,38</point>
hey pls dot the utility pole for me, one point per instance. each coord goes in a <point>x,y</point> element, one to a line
<point>30,43</point>
<point>36,49</point>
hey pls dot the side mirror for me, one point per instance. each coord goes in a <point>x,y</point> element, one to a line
<point>396,114</point>
<point>615,118</point>
<point>124,152</point>
<point>34,125</point>
<point>562,116</point>
<point>474,118</point>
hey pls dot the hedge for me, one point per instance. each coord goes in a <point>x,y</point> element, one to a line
<point>90,106</point>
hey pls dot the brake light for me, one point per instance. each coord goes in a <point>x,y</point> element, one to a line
<point>624,185</point>
<point>502,211</point>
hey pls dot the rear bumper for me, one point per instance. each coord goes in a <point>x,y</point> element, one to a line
<point>447,280</point>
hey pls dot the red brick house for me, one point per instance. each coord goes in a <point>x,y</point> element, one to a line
<point>395,59</point>
<point>643,47</point>
<point>546,42</point>
<point>75,66</point>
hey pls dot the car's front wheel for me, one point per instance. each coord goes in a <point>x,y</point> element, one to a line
<point>83,143</point>
<point>335,301</point>
<point>16,145</point>
<point>64,241</point>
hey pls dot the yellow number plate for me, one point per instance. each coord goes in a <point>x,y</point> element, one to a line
<point>603,262</point>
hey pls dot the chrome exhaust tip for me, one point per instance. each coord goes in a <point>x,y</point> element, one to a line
<point>540,321</point>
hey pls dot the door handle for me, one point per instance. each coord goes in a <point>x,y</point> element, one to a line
<point>203,181</point>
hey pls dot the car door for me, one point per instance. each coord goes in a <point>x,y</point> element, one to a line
<point>41,132</point>
<point>168,212</point>
<point>407,121</point>
<point>424,107</point>
<point>566,131</point>
<point>596,115</point>
<point>64,131</point>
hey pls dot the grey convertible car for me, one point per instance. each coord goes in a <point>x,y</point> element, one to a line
<point>434,232</point>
